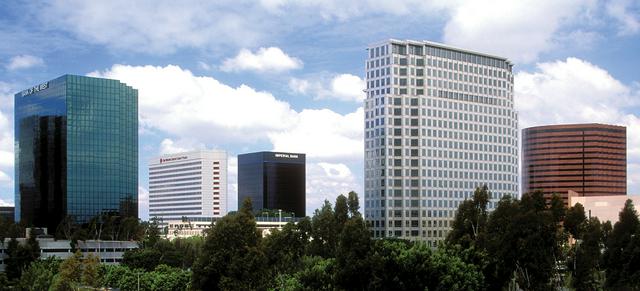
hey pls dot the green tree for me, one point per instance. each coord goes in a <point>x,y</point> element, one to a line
<point>354,204</point>
<point>557,208</point>
<point>324,232</point>
<point>19,256</point>
<point>352,256</point>
<point>575,220</point>
<point>284,249</point>
<point>341,212</point>
<point>469,226</point>
<point>143,258</point>
<point>69,274</point>
<point>619,244</point>
<point>90,271</point>
<point>40,274</point>
<point>232,257</point>
<point>584,267</point>
<point>151,232</point>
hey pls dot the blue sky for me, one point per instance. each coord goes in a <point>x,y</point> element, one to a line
<point>287,75</point>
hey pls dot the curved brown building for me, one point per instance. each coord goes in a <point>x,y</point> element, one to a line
<point>590,159</point>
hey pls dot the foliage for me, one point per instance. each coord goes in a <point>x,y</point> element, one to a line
<point>19,256</point>
<point>163,278</point>
<point>621,251</point>
<point>584,263</point>
<point>232,257</point>
<point>574,221</point>
<point>40,274</point>
<point>469,226</point>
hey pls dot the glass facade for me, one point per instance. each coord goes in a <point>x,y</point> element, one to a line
<point>273,181</point>
<point>76,141</point>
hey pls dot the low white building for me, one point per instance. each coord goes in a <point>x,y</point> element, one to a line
<point>197,227</point>
<point>109,252</point>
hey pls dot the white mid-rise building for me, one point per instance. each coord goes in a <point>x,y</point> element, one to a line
<point>192,184</point>
<point>439,122</point>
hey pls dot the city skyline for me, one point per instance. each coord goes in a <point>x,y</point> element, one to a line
<point>294,83</point>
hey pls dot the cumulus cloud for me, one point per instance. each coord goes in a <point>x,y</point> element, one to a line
<point>510,28</point>
<point>343,87</point>
<point>24,62</point>
<point>176,102</point>
<point>625,14</point>
<point>327,181</point>
<point>169,146</point>
<point>6,203</point>
<point>504,27</point>
<point>271,59</point>
<point>157,27</point>
<point>323,134</point>
<point>576,91</point>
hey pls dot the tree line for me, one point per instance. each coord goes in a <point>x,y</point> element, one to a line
<point>524,243</point>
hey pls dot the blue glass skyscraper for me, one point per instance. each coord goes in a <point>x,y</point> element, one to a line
<point>76,150</point>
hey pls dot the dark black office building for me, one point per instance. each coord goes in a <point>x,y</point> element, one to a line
<point>273,181</point>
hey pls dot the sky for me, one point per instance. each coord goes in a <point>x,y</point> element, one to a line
<point>287,75</point>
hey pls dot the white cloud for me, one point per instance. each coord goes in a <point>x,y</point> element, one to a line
<point>271,59</point>
<point>625,15</point>
<point>204,66</point>
<point>143,203</point>
<point>323,134</point>
<point>327,181</point>
<point>203,110</point>
<point>175,101</point>
<point>6,203</point>
<point>24,62</point>
<point>169,146</point>
<point>157,27</point>
<point>576,91</point>
<point>343,87</point>
<point>520,30</point>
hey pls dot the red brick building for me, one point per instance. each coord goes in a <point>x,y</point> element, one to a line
<point>590,159</point>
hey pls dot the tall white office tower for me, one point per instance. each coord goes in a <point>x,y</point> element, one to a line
<point>439,122</point>
<point>192,184</point>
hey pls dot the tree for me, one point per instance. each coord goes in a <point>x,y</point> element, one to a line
<point>69,274</point>
<point>353,204</point>
<point>619,244</point>
<point>284,249</point>
<point>352,255</point>
<point>91,271</point>
<point>143,258</point>
<point>151,232</point>
<point>341,212</point>
<point>557,208</point>
<point>584,267</point>
<point>469,226</point>
<point>575,220</point>
<point>232,257</point>
<point>19,256</point>
<point>324,232</point>
<point>40,274</point>
<point>521,236</point>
